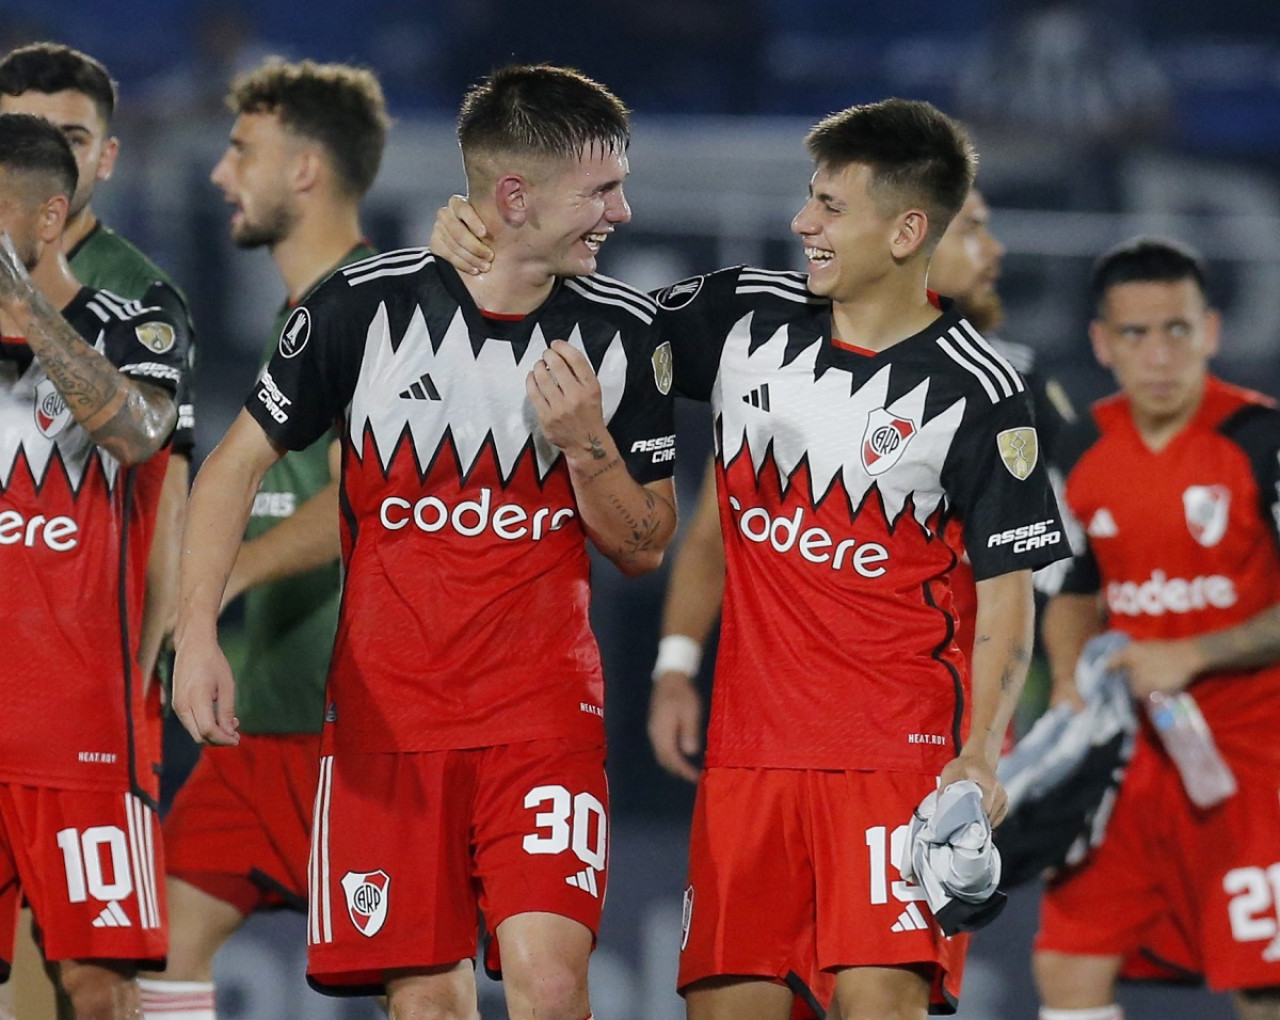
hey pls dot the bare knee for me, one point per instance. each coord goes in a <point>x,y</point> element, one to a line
<point>438,993</point>
<point>1257,1003</point>
<point>882,993</point>
<point>100,990</point>
<point>1075,981</point>
<point>544,967</point>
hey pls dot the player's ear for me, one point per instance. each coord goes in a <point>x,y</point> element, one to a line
<point>511,195</point>
<point>1101,340</point>
<point>107,159</point>
<point>909,232</point>
<point>51,218</point>
<point>1212,331</point>
<point>308,168</point>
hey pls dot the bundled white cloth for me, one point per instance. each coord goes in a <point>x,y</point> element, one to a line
<point>1063,776</point>
<point>950,854</point>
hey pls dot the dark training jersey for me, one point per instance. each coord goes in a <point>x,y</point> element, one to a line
<point>838,471</point>
<point>464,613</point>
<point>289,624</point>
<point>75,531</point>
<point>103,260</point>
<point>1184,541</point>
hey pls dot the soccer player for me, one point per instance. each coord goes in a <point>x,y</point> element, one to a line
<point>965,266</point>
<point>857,418</point>
<point>305,148</point>
<point>490,425</point>
<point>76,94</point>
<point>87,385</point>
<point>1174,481</point>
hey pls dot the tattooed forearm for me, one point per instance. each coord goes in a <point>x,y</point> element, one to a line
<point>129,420</point>
<point>595,448</point>
<point>643,528</point>
<point>603,469</point>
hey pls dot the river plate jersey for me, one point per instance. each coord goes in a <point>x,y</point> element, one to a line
<point>103,260</point>
<point>838,471</point>
<point>464,612</point>
<point>75,530</point>
<point>1183,541</point>
<point>289,624</point>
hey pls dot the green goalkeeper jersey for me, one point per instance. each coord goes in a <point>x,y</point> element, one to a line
<point>289,624</point>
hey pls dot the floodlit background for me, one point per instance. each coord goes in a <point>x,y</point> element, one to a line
<point>1094,120</point>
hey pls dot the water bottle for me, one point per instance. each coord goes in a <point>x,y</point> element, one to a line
<point>1207,778</point>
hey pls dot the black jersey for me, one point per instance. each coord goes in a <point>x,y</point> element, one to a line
<point>838,472</point>
<point>464,615</point>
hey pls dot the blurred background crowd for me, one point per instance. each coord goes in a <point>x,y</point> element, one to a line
<point>1095,120</point>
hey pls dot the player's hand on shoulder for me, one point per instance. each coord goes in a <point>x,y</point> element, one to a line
<point>458,237</point>
<point>1165,666</point>
<point>565,395</point>
<point>675,724</point>
<point>204,693</point>
<point>995,802</point>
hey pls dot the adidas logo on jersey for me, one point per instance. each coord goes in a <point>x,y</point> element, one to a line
<point>423,389</point>
<point>586,881</point>
<point>910,920</point>
<point>112,916</point>
<point>1102,524</point>
<point>759,397</point>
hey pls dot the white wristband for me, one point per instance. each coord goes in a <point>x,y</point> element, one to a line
<point>678,653</point>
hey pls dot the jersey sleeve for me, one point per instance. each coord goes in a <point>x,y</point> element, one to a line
<point>184,432</point>
<point>152,340</point>
<point>695,316</point>
<point>643,425</point>
<point>1256,431</point>
<point>311,375</point>
<point>1000,488</point>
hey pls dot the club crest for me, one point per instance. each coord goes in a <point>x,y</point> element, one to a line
<point>662,369</point>
<point>1207,508</point>
<point>1019,451</point>
<point>366,899</point>
<point>51,411</point>
<point>884,440</point>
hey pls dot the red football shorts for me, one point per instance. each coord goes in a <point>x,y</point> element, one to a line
<point>1197,891</point>
<point>87,862</point>
<point>406,848</point>
<point>792,873</point>
<point>240,827</point>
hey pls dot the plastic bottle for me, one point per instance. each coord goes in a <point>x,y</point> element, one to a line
<point>1186,736</point>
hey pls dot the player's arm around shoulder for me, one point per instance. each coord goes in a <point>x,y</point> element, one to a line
<point>203,687</point>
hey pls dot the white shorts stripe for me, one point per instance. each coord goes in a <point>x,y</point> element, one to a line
<point>319,912</point>
<point>142,856</point>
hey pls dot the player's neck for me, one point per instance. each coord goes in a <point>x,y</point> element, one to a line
<point>78,227</point>
<point>511,287</point>
<point>880,318</point>
<point>319,240</point>
<point>1158,431</point>
<point>54,279</point>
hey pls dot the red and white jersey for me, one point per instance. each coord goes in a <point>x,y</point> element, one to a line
<point>1183,541</point>
<point>838,472</point>
<point>75,531</point>
<point>464,613</point>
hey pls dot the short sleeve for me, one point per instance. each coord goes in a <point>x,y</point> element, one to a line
<point>311,375</point>
<point>643,426</point>
<point>151,342</point>
<point>1000,488</point>
<point>695,316</point>
<point>1256,431</point>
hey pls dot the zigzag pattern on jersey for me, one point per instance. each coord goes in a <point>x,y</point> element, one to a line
<point>825,429</point>
<point>483,401</point>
